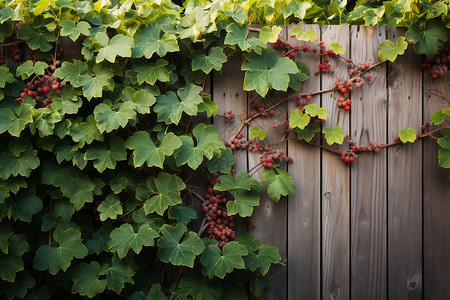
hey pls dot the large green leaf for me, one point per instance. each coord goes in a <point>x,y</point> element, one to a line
<point>266,71</point>
<point>119,273</point>
<point>110,208</point>
<point>213,60</point>
<point>237,35</point>
<point>85,132</point>
<point>74,185</point>
<point>221,162</point>
<point>5,76</point>
<point>429,40</point>
<point>182,213</point>
<point>145,149</point>
<point>148,41</point>
<point>390,52</point>
<point>219,263</point>
<point>29,68</point>
<point>86,279</point>
<point>243,203</point>
<point>26,204</point>
<point>22,116</point>
<point>125,238</point>
<point>262,258</point>
<point>105,157</point>
<point>209,142</point>
<point>160,192</point>
<point>109,119</point>
<point>335,135</point>
<point>11,165</point>
<point>119,45</point>
<point>176,249</point>
<point>37,37</point>
<point>170,106</point>
<point>243,180</point>
<point>280,183</point>
<point>198,288</point>
<point>12,262</point>
<point>151,72</point>
<point>60,257</point>
<point>5,233</point>
<point>298,119</point>
<point>72,30</point>
<point>270,34</point>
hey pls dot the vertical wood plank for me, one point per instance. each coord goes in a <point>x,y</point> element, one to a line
<point>335,181</point>
<point>404,176</point>
<point>270,217</point>
<point>227,93</point>
<point>368,173</point>
<point>436,201</point>
<point>303,228</point>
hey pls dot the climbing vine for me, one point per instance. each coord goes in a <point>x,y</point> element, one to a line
<point>98,153</point>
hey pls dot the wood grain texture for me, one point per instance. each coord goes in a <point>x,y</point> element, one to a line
<point>270,217</point>
<point>404,177</point>
<point>368,172</point>
<point>303,229</point>
<point>335,181</point>
<point>436,202</point>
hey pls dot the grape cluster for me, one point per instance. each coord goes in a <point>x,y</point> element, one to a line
<point>40,88</point>
<point>259,108</point>
<point>238,143</point>
<point>438,64</point>
<point>351,154</point>
<point>16,52</point>
<point>270,157</point>
<point>229,115</point>
<point>220,224</point>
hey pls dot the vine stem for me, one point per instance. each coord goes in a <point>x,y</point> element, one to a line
<point>13,43</point>
<point>195,194</point>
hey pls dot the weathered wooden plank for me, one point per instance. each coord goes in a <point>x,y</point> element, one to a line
<point>368,173</point>
<point>303,229</point>
<point>436,202</point>
<point>404,177</point>
<point>270,217</point>
<point>335,181</point>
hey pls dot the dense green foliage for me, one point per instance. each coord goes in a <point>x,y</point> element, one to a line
<point>94,178</point>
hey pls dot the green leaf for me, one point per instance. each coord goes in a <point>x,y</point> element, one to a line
<point>256,132</point>
<point>44,121</point>
<point>160,192</point>
<point>27,69</point>
<point>209,142</point>
<point>206,63</point>
<point>221,162</point>
<point>297,8</point>
<point>93,85</point>
<point>334,136</point>
<point>297,119</point>
<point>146,151</point>
<point>86,280</point>
<point>99,241</point>
<point>148,41</point>
<point>143,101</point>
<point>429,40</point>
<point>125,238</point>
<point>390,52</point>
<point>209,106</point>
<point>5,233</point>
<point>176,249</point>
<point>119,273</point>
<point>110,208</point>
<point>182,213</point>
<point>72,72</point>
<point>41,6</point>
<point>312,110</point>
<point>19,288</point>
<point>12,263</point>
<point>409,135</point>
<point>295,80</point>
<point>243,181</point>
<point>219,264</point>
<point>109,119</point>
<point>439,116</point>
<point>5,76</point>
<point>309,35</point>
<point>6,115</point>
<point>64,210</point>
<point>26,205</point>
<point>259,286</point>
<point>266,71</point>
<point>243,203</point>
<point>249,241</point>
<point>104,157</point>
<point>37,38</point>
<point>237,35</point>
<point>68,101</point>
<point>5,14</point>
<point>119,45</point>
<point>85,132</point>
<point>68,28</point>
<point>262,259</point>
<point>22,116</point>
<point>151,72</point>
<point>307,133</point>
<point>74,185</point>
<point>68,152</point>
<point>338,49</point>
<point>55,258</point>
<point>269,34</point>
<point>198,288</point>
<point>171,106</point>
<point>280,183</point>
<point>23,164</point>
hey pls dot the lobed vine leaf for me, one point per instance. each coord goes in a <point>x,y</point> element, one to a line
<point>390,52</point>
<point>218,263</point>
<point>280,183</point>
<point>409,135</point>
<point>335,135</point>
<point>86,279</point>
<point>125,238</point>
<point>256,132</point>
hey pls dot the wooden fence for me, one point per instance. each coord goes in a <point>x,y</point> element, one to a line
<point>378,229</point>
